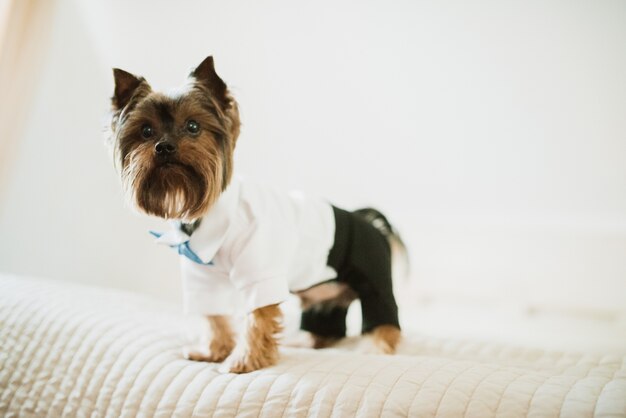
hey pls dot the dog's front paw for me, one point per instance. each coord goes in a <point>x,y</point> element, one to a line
<point>245,361</point>
<point>198,354</point>
<point>216,352</point>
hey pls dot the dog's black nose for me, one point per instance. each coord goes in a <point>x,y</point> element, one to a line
<point>164,148</point>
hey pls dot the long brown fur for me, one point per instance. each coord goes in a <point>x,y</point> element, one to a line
<point>259,346</point>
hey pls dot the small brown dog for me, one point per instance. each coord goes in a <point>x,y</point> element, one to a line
<point>242,244</point>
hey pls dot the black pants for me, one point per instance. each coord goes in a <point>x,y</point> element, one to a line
<point>361,256</point>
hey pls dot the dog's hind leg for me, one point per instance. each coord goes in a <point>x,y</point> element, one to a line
<point>383,339</point>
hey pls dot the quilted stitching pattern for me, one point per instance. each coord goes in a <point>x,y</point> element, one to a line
<point>75,351</point>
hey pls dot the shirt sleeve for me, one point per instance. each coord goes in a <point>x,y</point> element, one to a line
<point>206,290</point>
<point>260,264</point>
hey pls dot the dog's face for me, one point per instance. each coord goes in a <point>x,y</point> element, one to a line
<point>175,152</point>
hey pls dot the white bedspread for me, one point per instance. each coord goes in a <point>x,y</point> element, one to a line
<point>69,350</point>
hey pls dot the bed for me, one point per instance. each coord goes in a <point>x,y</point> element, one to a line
<point>72,350</point>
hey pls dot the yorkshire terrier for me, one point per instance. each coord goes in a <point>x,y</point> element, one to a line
<point>243,244</point>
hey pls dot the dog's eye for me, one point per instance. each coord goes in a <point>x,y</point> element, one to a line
<point>146,131</point>
<point>193,126</point>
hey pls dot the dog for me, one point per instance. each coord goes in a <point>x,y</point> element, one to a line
<point>243,244</point>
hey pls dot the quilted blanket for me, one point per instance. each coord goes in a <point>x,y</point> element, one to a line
<point>69,350</point>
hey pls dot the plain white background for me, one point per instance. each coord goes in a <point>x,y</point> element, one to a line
<point>493,134</point>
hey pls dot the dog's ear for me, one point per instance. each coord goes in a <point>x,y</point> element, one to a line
<point>125,86</point>
<point>205,74</point>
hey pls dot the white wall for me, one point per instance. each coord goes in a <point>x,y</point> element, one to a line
<point>493,133</point>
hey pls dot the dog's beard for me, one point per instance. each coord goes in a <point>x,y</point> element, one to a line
<point>171,190</point>
<point>179,188</point>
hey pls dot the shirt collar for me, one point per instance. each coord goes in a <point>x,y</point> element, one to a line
<point>209,236</point>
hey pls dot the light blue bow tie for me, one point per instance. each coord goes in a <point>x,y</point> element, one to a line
<point>184,249</point>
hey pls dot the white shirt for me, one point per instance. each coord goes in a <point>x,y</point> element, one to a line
<point>254,246</point>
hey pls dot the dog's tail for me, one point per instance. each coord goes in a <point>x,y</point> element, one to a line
<point>400,265</point>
